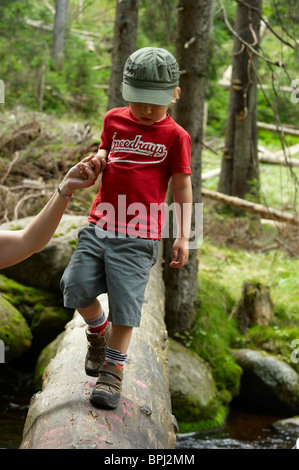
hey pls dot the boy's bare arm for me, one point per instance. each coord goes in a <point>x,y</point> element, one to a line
<point>182,191</point>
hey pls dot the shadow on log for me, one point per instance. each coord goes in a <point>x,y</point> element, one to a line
<point>61,415</point>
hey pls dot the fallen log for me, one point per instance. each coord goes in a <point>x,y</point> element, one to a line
<point>264,211</point>
<point>283,128</point>
<point>210,174</point>
<point>61,415</point>
<point>278,158</point>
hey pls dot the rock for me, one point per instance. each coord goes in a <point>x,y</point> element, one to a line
<point>14,331</point>
<point>44,358</point>
<point>48,323</point>
<point>286,424</point>
<point>255,307</point>
<point>267,382</point>
<point>44,269</point>
<point>42,310</point>
<point>192,388</point>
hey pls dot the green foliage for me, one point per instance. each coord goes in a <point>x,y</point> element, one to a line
<point>157,23</point>
<point>25,56</point>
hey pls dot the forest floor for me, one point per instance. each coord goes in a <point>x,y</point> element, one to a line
<point>37,149</point>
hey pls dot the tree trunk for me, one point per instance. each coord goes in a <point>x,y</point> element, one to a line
<point>191,53</point>
<point>239,173</point>
<point>62,417</point>
<point>124,43</point>
<point>255,307</point>
<point>60,24</point>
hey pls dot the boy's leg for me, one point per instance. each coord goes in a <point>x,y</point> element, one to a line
<point>97,333</point>
<point>106,393</point>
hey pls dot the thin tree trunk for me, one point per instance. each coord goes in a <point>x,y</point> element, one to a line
<point>125,39</point>
<point>239,173</point>
<point>191,52</point>
<point>60,24</point>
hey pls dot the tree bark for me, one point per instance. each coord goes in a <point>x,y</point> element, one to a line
<point>62,417</point>
<point>239,172</point>
<point>255,307</point>
<point>60,24</point>
<point>125,39</point>
<point>191,52</point>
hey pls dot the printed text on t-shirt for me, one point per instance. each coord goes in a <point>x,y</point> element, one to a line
<point>136,148</point>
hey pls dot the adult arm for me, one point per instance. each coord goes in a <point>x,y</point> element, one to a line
<point>15,246</point>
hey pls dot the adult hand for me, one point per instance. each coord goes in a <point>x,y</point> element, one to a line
<point>80,176</point>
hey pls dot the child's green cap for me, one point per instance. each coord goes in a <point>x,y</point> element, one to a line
<point>150,76</point>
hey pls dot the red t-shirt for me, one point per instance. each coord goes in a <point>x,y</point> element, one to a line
<point>140,163</point>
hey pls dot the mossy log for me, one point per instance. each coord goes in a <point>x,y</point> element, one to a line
<point>61,415</point>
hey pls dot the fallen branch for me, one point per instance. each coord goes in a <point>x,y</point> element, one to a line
<point>9,168</point>
<point>210,174</point>
<point>264,211</point>
<point>22,200</point>
<point>226,84</point>
<point>275,128</point>
<point>279,158</point>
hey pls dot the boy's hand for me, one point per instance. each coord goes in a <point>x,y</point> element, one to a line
<point>180,253</point>
<point>96,162</point>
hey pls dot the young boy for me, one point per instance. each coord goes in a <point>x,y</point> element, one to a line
<point>141,148</point>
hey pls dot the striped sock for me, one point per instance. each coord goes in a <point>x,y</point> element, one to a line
<point>98,324</point>
<point>115,356</point>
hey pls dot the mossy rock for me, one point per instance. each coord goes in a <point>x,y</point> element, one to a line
<point>42,310</point>
<point>48,322</point>
<point>14,331</point>
<point>192,388</point>
<point>44,358</point>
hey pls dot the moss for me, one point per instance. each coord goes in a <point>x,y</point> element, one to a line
<point>206,423</point>
<point>190,412</point>
<point>274,340</point>
<point>48,353</point>
<point>26,299</point>
<point>73,244</point>
<point>213,333</point>
<point>14,331</point>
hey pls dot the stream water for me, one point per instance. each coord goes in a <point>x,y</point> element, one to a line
<point>243,430</point>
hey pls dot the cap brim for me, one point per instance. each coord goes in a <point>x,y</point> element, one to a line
<point>144,95</point>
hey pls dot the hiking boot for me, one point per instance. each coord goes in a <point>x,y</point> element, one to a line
<point>106,393</point>
<point>96,352</point>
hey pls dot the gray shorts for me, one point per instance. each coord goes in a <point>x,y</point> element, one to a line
<point>119,267</point>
